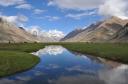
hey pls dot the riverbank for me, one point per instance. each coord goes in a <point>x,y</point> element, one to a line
<point>16,58</point>
<point>112,51</point>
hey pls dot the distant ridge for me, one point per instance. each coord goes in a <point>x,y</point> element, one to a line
<point>112,29</point>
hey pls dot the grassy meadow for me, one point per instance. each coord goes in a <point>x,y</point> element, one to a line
<point>16,57</point>
<point>23,47</point>
<point>113,51</point>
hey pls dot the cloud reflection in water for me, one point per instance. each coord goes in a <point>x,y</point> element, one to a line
<point>117,75</point>
<point>51,50</point>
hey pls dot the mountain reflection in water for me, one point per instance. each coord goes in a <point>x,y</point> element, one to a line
<point>60,66</point>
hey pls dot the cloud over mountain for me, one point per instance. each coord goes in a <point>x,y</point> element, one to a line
<point>117,8</point>
<point>50,35</point>
<point>17,19</point>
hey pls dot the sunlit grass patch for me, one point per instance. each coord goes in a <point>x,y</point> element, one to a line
<point>12,62</point>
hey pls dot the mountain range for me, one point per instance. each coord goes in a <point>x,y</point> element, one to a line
<point>9,32</point>
<point>112,29</point>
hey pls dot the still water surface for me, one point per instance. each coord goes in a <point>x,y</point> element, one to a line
<point>60,66</point>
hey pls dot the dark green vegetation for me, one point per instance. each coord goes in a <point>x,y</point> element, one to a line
<point>16,58</point>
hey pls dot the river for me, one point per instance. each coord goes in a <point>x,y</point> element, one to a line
<point>61,66</point>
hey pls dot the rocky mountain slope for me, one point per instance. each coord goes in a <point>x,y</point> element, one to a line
<point>121,35</point>
<point>111,29</point>
<point>11,33</point>
<point>72,34</point>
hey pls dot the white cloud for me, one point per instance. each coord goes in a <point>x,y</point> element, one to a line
<point>24,6</point>
<point>116,75</point>
<point>22,18</point>
<point>117,8</point>
<point>10,18</point>
<point>80,15</point>
<point>76,4</point>
<point>18,19</point>
<point>52,18</point>
<point>18,3</point>
<point>50,3</point>
<point>11,2</point>
<point>39,11</point>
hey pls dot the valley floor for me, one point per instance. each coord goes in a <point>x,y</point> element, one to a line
<point>16,57</point>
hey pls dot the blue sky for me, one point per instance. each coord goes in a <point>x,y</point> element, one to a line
<point>61,15</point>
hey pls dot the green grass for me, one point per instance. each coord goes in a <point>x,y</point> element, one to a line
<point>112,51</point>
<point>23,47</point>
<point>12,62</point>
<point>16,58</point>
